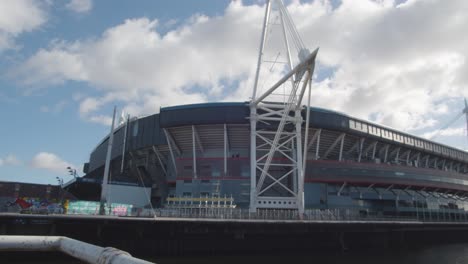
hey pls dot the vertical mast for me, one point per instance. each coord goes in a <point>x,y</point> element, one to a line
<point>124,144</point>
<point>277,163</point>
<point>466,115</point>
<point>105,178</point>
<point>262,46</point>
<point>253,113</point>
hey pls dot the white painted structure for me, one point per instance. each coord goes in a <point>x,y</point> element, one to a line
<point>280,146</point>
<point>75,248</point>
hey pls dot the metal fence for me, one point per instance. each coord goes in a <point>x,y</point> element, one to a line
<point>341,214</point>
<point>407,214</point>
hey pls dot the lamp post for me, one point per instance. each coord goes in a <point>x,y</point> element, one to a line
<point>72,172</point>
<point>60,182</point>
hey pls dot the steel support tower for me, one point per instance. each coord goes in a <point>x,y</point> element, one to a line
<point>465,111</point>
<point>277,159</point>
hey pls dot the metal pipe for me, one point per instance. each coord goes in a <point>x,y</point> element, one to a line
<point>286,43</point>
<point>300,191</point>
<point>106,167</point>
<point>262,46</point>
<point>308,79</point>
<point>124,144</point>
<point>373,150</point>
<point>75,248</point>
<point>466,116</point>
<point>318,145</point>
<point>309,60</point>
<point>306,136</point>
<point>194,153</point>
<point>225,149</point>
<point>340,158</point>
<point>361,146</point>
<point>156,152</point>
<point>253,159</point>
<point>169,143</point>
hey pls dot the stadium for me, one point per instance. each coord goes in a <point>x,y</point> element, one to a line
<point>274,154</point>
<point>202,150</point>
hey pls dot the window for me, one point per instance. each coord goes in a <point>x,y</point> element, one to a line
<point>186,194</point>
<point>374,131</point>
<point>204,194</point>
<point>418,143</point>
<point>188,181</point>
<point>364,128</point>
<point>205,181</point>
<point>428,146</point>
<point>398,138</point>
<point>386,134</point>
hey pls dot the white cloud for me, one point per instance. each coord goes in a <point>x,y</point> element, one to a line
<point>397,65</point>
<point>50,162</point>
<point>134,64</point>
<point>460,131</point>
<point>55,108</point>
<point>61,63</point>
<point>80,6</point>
<point>10,160</point>
<point>18,16</point>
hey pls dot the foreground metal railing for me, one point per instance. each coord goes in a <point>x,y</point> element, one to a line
<point>345,214</point>
<point>214,211</point>
<point>75,248</point>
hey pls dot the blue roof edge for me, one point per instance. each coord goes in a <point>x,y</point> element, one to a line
<point>200,105</point>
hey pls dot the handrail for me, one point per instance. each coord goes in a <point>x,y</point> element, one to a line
<point>75,248</point>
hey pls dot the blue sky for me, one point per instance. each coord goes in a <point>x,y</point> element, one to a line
<point>65,64</point>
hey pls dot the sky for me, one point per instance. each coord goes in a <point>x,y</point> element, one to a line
<point>65,64</point>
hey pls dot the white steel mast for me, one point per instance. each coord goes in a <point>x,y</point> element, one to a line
<point>276,157</point>
<point>105,178</point>
<point>466,116</point>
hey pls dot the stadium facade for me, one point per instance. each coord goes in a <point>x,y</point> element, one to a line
<point>275,154</point>
<point>202,150</point>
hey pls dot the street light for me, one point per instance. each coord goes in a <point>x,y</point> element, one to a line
<point>72,172</point>
<point>61,192</point>
<point>60,181</point>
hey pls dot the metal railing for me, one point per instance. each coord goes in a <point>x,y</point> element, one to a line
<point>212,211</point>
<point>330,215</point>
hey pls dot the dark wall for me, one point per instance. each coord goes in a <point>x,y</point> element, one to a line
<point>327,119</point>
<point>201,114</point>
<point>141,133</point>
<point>147,131</point>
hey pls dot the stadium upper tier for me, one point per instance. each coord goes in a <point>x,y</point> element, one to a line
<point>211,141</point>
